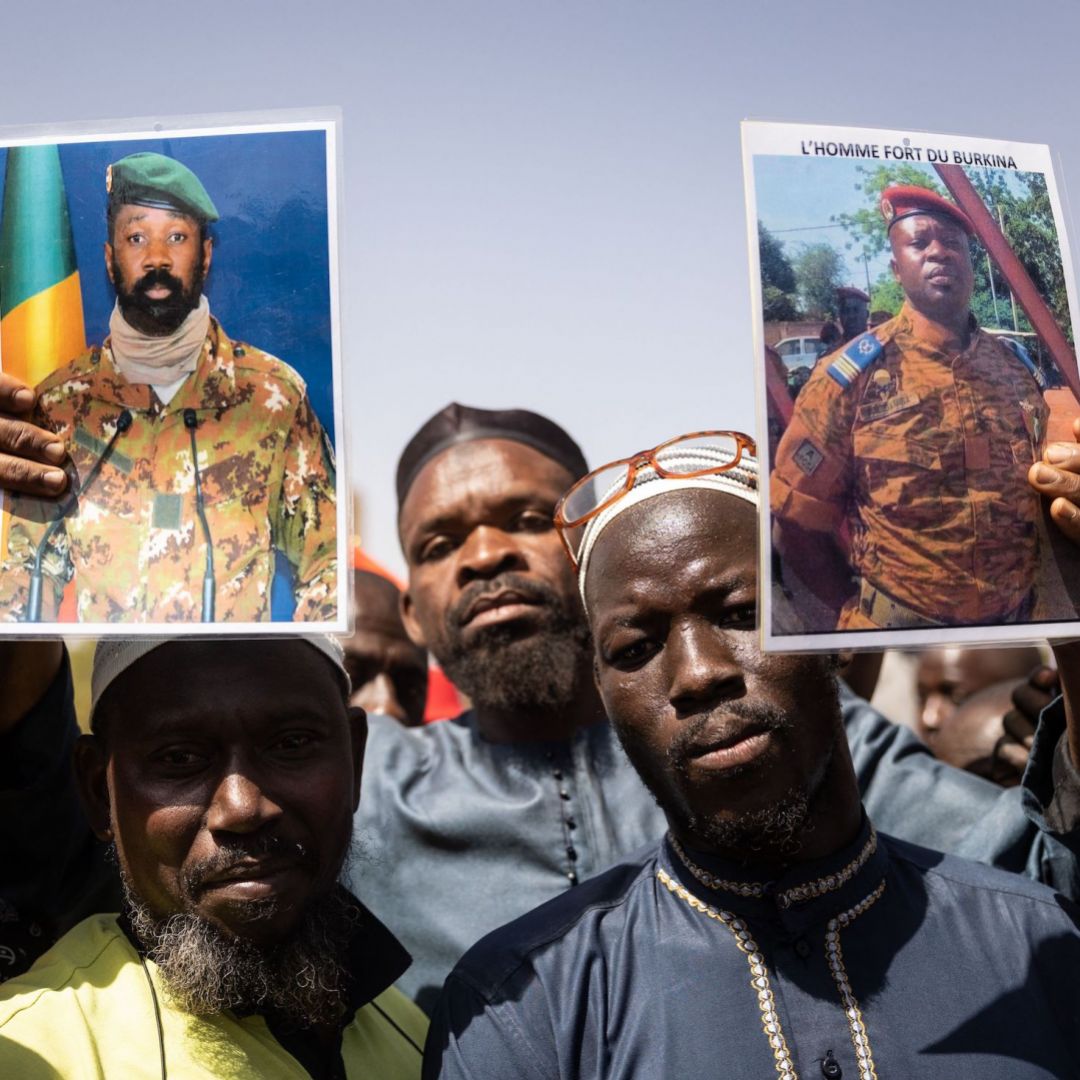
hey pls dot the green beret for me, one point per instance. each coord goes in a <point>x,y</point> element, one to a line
<point>161,182</point>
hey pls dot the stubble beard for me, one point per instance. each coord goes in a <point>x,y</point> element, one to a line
<point>501,670</point>
<point>302,980</point>
<point>777,830</point>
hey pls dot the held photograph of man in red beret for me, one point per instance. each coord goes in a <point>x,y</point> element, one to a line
<point>904,485</point>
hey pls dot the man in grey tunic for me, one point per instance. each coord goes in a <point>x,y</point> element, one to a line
<point>471,822</point>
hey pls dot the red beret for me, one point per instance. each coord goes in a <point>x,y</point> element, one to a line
<point>906,200</point>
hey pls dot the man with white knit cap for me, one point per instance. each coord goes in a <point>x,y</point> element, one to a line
<point>773,931</point>
<point>224,775</point>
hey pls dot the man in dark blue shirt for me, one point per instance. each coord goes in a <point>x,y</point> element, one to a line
<point>773,932</point>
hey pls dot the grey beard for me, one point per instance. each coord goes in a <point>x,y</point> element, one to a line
<point>302,980</point>
<point>503,672</point>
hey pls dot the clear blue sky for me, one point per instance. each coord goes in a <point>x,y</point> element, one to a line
<point>544,201</point>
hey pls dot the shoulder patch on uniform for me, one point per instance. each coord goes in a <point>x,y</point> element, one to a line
<point>859,354</point>
<point>1024,357</point>
<point>808,457</point>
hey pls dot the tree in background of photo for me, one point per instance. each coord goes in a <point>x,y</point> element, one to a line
<point>777,279</point>
<point>1026,219</point>
<point>819,272</point>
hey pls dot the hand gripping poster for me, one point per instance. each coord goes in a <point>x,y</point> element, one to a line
<point>918,392</point>
<point>168,291</point>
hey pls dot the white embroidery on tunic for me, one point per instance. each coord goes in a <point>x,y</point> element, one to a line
<point>808,891</point>
<point>759,980</point>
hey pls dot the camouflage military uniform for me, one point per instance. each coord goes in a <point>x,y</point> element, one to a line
<point>134,545</point>
<point>924,453</point>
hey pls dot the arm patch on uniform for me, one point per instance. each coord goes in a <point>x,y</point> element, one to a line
<point>855,359</point>
<point>808,457</point>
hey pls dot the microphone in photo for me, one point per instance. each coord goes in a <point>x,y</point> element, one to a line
<point>33,603</point>
<point>191,422</point>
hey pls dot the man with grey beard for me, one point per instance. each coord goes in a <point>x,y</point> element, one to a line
<point>224,775</point>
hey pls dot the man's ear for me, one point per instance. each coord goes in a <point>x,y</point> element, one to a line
<point>408,617</point>
<point>358,731</point>
<point>109,261</point>
<point>207,255</point>
<point>92,778</point>
<point>895,272</point>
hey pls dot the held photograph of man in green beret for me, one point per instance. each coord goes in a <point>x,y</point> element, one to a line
<point>192,479</point>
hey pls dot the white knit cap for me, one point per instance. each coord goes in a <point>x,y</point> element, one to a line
<point>113,656</point>
<point>741,481</point>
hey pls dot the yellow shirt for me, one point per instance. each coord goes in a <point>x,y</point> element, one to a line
<point>85,1011</point>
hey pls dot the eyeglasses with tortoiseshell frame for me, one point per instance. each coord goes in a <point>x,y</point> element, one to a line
<point>602,487</point>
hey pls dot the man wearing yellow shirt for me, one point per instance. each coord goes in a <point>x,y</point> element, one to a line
<point>225,775</point>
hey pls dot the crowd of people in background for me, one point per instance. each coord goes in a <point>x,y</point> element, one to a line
<point>643,847</point>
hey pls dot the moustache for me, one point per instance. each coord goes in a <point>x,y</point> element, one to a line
<point>154,279</point>
<point>235,855</point>
<point>531,591</point>
<point>716,726</point>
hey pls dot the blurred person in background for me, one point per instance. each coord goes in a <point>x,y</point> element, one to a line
<point>389,673</point>
<point>965,702</point>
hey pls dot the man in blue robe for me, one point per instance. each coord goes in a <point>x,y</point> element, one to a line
<point>470,823</point>
<point>773,931</point>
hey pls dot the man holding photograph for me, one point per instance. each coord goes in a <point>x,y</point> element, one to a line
<point>192,457</point>
<point>899,494</point>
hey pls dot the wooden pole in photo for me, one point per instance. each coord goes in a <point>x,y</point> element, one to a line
<point>1012,270</point>
<point>1058,594</point>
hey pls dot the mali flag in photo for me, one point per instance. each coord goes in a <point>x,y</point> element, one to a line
<point>41,316</point>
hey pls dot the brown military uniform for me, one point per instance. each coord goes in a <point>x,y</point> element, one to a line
<point>133,545</point>
<point>925,455</point>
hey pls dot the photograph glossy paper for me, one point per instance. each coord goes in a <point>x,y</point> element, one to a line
<point>914,317</point>
<point>171,293</point>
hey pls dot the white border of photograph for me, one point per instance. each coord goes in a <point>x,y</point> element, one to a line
<point>761,138</point>
<point>325,119</point>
